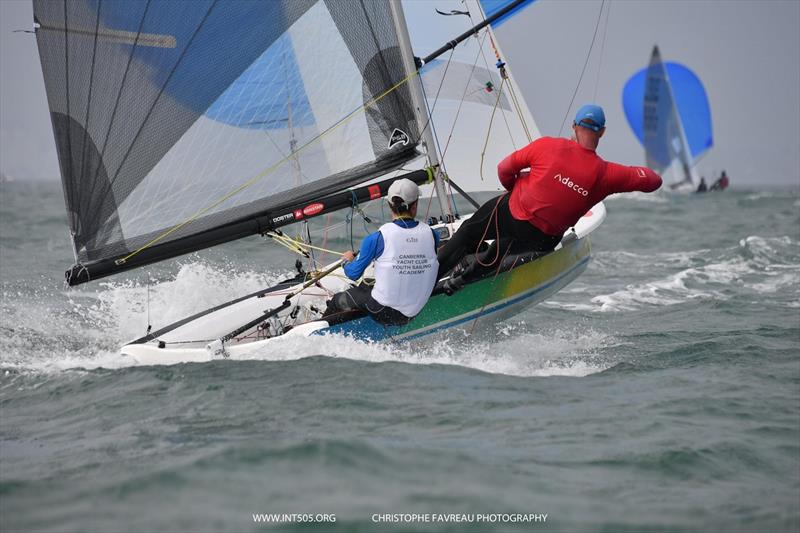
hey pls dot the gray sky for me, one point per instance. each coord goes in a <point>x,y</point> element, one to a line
<point>747,53</point>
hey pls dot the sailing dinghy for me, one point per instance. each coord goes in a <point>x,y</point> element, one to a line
<point>184,125</point>
<point>667,108</point>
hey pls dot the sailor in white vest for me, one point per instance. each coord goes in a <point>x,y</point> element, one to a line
<point>404,252</point>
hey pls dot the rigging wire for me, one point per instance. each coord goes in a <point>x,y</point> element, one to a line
<point>499,66</point>
<point>518,109</point>
<point>602,50</point>
<point>450,200</point>
<point>489,129</point>
<point>312,258</point>
<point>463,99</point>
<point>583,70</point>
<point>149,324</point>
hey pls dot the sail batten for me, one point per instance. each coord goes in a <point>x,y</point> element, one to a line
<point>164,110</point>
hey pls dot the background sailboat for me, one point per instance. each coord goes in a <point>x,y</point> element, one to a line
<point>668,110</point>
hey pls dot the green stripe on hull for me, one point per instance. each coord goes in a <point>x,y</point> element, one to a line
<point>501,287</point>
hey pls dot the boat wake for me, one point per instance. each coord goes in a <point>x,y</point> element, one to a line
<point>89,333</point>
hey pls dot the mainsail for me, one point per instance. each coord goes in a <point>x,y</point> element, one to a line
<point>182,125</point>
<point>667,108</point>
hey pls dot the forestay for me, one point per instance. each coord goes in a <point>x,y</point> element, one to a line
<point>181,125</point>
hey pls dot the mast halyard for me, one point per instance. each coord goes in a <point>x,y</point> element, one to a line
<point>420,107</point>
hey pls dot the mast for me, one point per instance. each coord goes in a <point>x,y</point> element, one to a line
<point>686,156</point>
<point>668,126</point>
<point>418,99</point>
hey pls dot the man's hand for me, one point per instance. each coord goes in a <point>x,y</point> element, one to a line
<point>349,255</point>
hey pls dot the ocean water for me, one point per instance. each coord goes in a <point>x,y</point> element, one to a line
<point>659,392</point>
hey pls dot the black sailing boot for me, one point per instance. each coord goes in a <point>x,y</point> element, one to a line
<point>457,280</point>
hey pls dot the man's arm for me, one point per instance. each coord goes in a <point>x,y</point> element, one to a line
<point>371,247</point>
<point>619,178</point>
<point>508,169</point>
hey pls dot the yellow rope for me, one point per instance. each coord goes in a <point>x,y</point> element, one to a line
<point>489,129</point>
<point>266,172</point>
<point>518,108</point>
<point>429,171</point>
<point>296,245</point>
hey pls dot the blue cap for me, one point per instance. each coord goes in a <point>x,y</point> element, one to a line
<point>592,112</point>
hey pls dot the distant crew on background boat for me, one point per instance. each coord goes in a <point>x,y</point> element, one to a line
<point>404,252</point>
<point>721,184</point>
<point>565,179</point>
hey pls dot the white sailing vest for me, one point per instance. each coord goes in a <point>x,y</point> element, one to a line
<point>405,273</point>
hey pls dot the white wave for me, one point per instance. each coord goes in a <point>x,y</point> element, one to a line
<point>768,251</point>
<point>614,260</point>
<point>759,264</point>
<point>90,333</point>
<point>669,291</point>
<point>761,195</point>
<point>657,198</point>
<point>559,353</point>
<point>122,308</point>
<point>776,283</point>
<point>509,351</point>
<point>568,306</point>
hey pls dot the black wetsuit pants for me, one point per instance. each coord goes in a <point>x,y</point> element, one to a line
<point>515,235</point>
<point>359,298</point>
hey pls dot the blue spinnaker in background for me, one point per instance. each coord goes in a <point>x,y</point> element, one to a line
<point>268,95</point>
<point>490,7</point>
<point>194,33</point>
<point>690,99</point>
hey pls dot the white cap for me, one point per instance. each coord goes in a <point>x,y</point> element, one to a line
<point>405,189</point>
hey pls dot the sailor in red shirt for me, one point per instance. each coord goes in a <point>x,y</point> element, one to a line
<point>566,178</point>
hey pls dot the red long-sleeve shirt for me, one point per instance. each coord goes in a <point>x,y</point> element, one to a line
<point>564,181</point>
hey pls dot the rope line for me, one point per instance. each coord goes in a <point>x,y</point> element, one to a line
<point>489,129</point>
<point>602,50</point>
<point>518,109</point>
<point>296,245</point>
<point>494,280</point>
<point>497,235</point>
<point>583,70</point>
